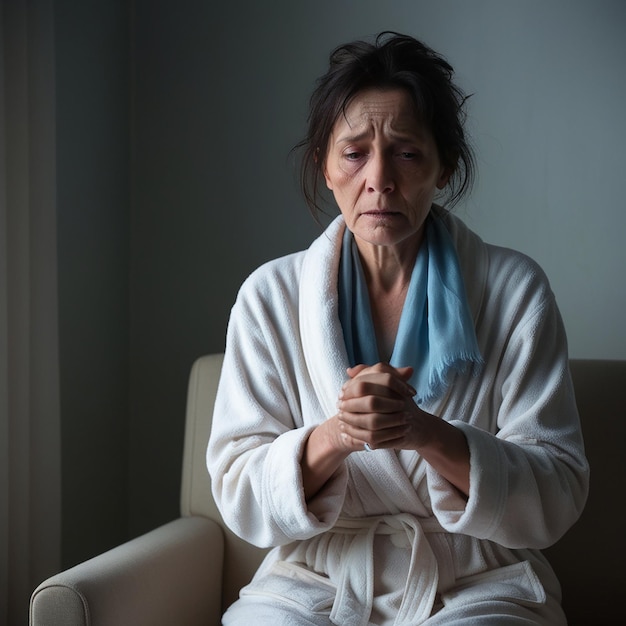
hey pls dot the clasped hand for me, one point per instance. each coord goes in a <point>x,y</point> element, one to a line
<point>376,407</point>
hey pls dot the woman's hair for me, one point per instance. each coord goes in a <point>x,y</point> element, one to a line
<point>392,61</point>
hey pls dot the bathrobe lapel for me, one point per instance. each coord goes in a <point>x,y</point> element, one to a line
<point>473,260</point>
<point>322,338</point>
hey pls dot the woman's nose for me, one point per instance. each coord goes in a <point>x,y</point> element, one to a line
<point>380,177</point>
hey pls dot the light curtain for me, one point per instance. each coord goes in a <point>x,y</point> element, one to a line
<point>30,466</point>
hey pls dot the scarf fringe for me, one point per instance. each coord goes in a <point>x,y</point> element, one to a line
<point>441,375</point>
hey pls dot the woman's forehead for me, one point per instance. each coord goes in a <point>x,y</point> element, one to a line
<point>391,110</point>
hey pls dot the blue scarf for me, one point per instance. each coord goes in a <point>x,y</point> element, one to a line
<point>436,333</point>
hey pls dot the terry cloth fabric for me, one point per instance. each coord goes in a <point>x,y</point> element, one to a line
<point>284,367</point>
<point>436,335</point>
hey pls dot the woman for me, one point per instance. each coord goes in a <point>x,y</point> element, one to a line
<point>395,415</point>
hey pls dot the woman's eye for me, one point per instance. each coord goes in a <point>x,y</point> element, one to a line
<point>352,156</point>
<point>408,156</point>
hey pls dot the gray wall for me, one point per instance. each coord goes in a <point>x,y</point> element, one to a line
<point>93,216</point>
<point>217,98</point>
<point>220,98</point>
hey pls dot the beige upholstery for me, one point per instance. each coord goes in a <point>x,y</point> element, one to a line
<point>186,572</point>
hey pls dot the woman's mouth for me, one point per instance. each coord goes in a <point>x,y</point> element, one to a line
<point>380,213</point>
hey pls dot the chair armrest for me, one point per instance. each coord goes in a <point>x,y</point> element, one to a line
<point>171,575</point>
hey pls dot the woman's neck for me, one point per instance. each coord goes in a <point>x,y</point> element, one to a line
<point>388,272</point>
<point>388,269</point>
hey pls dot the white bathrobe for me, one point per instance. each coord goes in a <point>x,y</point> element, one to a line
<point>388,540</point>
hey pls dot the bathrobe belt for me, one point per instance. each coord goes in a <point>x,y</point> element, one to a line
<point>355,587</point>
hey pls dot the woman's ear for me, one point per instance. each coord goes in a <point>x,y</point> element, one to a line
<point>324,170</point>
<point>444,177</point>
<point>327,179</point>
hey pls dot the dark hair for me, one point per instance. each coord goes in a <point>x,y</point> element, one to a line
<point>392,61</point>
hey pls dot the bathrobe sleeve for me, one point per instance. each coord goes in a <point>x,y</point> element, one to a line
<point>262,419</point>
<point>528,471</point>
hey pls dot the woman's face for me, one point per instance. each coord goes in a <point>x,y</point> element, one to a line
<point>383,168</point>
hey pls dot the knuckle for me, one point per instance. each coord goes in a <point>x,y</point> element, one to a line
<point>371,404</point>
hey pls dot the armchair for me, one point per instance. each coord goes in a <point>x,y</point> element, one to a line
<point>181,573</point>
<point>188,571</point>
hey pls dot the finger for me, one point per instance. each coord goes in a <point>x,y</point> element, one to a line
<point>377,367</point>
<point>385,402</point>
<point>387,438</point>
<point>373,421</point>
<point>356,370</point>
<point>401,373</point>
<point>405,372</point>
<point>377,384</point>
